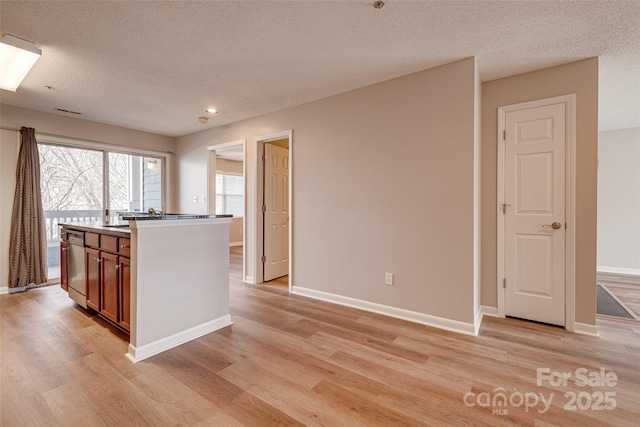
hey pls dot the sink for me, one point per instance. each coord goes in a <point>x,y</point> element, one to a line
<point>117,225</point>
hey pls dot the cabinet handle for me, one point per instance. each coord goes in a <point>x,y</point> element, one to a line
<point>98,259</point>
<point>117,266</point>
<point>124,246</point>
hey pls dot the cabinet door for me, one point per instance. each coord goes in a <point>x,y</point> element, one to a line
<point>125,295</point>
<point>109,286</point>
<point>92,262</point>
<point>64,267</point>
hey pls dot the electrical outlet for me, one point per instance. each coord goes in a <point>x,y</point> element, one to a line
<point>204,199</point>
<point>388,279</point>
<point>195,199</point>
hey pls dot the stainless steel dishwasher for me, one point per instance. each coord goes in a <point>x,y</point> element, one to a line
<point>76,267</point>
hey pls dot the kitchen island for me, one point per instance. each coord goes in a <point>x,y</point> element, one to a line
<point>178,277</point>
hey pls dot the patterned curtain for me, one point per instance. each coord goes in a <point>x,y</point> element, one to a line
<point>28,244</point>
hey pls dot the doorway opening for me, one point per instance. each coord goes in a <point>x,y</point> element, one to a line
<point>226,193</point>
<point>274,213</point>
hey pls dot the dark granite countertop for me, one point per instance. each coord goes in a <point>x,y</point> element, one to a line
<point>171,217</point>
<point>121,227</point>
<point>117,228</point>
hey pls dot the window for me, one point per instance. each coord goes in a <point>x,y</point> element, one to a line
<point>87,184</point>
<point>229,194</point>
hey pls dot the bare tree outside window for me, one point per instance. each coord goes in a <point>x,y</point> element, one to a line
<point>73,188</point>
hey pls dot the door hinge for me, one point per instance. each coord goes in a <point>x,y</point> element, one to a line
<point>264,208</point>
<point>264,258</point>
<point>504,282</point>
<point>504,135</point>
<point>264,158</point>
<point>504,207</point>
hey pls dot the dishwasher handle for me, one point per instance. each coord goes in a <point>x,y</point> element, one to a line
<point>75,237</point>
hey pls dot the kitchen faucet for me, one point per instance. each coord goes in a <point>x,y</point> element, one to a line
<point>154,212</point>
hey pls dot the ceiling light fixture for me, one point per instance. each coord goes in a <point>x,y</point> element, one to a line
<point>17,57</point>
<point>211,110</point>
<point>379,4</point>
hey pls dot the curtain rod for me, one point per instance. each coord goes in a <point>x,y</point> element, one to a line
<point>77,139</point>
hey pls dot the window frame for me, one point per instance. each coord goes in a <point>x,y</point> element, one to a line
<point>105,148</point>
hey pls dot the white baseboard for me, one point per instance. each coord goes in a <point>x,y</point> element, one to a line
<point>248,279</point>
<point>484,311</point>
<point>489,311</point>
<point>477,321</point>
<point>4,290</point>
<point>136,354</point>
<point>628,276</point>
<point>232,244</point>
<point>584,329</point>
<point>399,313</point>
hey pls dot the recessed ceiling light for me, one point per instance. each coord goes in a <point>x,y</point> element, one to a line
<point>211,110</point>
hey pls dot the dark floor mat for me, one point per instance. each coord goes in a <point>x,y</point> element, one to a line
<point>609,306</point>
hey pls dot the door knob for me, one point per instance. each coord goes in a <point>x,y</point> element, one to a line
<point>556,225</point>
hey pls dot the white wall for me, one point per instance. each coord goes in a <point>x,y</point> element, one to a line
<point>383,182</point>
<point>619,201</point>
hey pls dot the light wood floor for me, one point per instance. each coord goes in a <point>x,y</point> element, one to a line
<point>288,360</point>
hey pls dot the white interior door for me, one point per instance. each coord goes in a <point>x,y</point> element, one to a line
<point>276,212</point>
<point>535,214</point>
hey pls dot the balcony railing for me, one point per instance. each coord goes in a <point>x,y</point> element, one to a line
<point>53,218</point>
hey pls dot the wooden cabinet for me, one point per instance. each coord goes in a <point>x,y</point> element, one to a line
<point>109,277</point>
<point>64,264</point>
<point>109,298</point>
<point>92,265</point>
<point>125,292</point>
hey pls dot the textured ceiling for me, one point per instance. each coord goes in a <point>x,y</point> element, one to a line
<point>155,66</point>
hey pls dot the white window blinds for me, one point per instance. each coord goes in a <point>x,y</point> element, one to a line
<point>230,195</point>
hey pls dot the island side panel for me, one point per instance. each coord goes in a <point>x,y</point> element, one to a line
<point>179,280</point>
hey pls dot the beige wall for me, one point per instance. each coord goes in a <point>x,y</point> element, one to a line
<point>619,201</point>
<point>580,78</point>
<point>235,232</point>
<point>229,166</point>
<point>383,181</point>
<point>282,143</point>
<point>71,127</point>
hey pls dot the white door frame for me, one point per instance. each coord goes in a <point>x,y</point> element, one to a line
<point>258,167</point>
<point>211,188</point>
<point>570,244</point>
